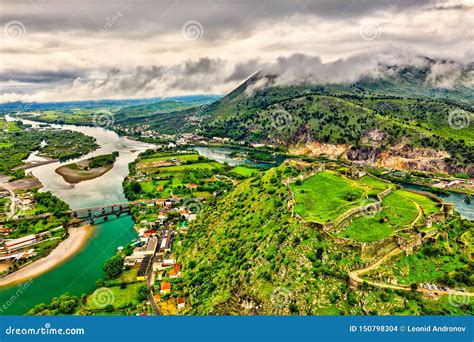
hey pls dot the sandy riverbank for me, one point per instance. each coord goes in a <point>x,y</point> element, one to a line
<point>73,176</point>
<point>76,240</point>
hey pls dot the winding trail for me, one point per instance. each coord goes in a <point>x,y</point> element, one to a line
<point>355,276</point>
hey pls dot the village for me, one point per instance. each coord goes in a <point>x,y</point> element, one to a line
<point>23,241</point>
<point>152,259</point>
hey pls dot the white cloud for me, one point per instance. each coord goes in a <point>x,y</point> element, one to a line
<point>62,39</point>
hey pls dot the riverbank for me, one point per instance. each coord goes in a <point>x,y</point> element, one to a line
<point>87,169</point>
<point>78,237</point>
<point>74,176</point>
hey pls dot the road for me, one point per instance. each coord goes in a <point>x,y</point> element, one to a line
<point>149,283</point>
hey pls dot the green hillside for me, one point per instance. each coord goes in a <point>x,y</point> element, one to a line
<point>246,254</point>
<point>297,115</point>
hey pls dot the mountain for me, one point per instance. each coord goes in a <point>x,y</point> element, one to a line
<point>400,120</point>
<point>248,254</point>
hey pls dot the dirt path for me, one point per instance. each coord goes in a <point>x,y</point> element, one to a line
<point>355,276</point>
<point>66,249</point>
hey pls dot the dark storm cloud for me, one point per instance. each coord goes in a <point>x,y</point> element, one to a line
<point>41,76</point>
<point>80,49</point>
<point>143,18</point>
<point>202,66</point>
<point>244,70</point>
<point>201,74</point>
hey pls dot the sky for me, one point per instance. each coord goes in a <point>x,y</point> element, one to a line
<point>62,50</point>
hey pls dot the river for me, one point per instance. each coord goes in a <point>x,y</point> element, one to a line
<point>78,274</point>
<point>224,155</point>
<point>464,209</point>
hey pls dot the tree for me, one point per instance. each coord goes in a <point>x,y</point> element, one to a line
<point>113,267</point>
<point>136,187</point>
<point>142,293</point>
<point>109,308</point>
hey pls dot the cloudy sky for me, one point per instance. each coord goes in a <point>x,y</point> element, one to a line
<point>55,50</point>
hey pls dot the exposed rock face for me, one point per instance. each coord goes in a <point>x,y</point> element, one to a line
<point>366,154</point>
<point>314,149</point>
<point>401,156</point>
<point>373,137</point>
<point>470,170</point>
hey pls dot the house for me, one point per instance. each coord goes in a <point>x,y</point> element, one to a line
<point>191,186</point>
<point>131,260</point>
<point>143,270</point>
<point>5,231</point>
<point>149,233</point>
<point>181,303</point>
<point>165,288</point>
<point>175,271</point>
<point>167,242</point>
<point>162,216</point>
<point>13,244</point>
<point>148,249</point>
<point>160,202</point>
<point>185,213</point>
<point>168,262</point>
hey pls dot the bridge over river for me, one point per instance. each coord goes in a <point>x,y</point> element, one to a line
<point>90,213</point>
